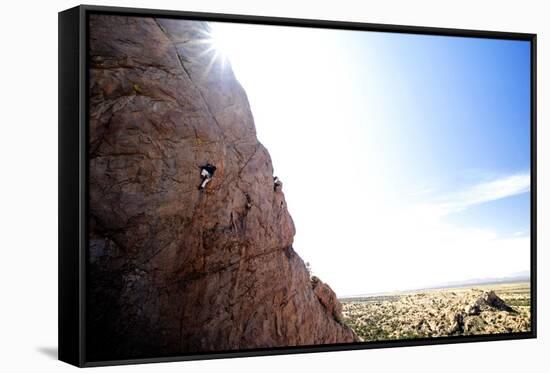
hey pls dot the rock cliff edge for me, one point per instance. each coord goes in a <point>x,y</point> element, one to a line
<point>173,269</point>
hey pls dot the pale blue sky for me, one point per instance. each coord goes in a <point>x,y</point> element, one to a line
<point>463,111</point>
<point>396,151</point>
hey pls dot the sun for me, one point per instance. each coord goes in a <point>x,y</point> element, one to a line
<point>219,43</point>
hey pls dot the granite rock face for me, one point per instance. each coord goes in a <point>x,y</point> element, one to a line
<point>173,269</point>
<point>327,297</point>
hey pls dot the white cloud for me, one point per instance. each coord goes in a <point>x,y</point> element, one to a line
<point>375,246</point>
<point>492,190</point>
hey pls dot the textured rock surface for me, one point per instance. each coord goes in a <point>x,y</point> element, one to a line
<point>172,269</point>
<point>327,297</point>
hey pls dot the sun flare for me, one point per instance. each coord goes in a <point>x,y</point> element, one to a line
<point>218,44</point>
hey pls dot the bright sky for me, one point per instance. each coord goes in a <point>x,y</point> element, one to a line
<point>404,158</point>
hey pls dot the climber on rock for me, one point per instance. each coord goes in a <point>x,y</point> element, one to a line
<point>207,172</point>
<point>277,183</point>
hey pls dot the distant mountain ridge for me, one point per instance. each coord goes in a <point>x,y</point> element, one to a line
<point>485,281</point>
<point>520,277</point>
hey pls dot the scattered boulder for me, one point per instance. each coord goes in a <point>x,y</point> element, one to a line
<point>472,309</point>
<point>496,302</point>
<point>457,323</point>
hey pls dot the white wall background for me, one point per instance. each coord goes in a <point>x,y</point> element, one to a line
<point>28,184</point>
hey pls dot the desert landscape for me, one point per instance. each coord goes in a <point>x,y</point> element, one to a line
<point>471,310</point>
<point>191,243</point>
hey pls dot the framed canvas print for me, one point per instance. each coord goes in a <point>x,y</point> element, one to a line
<point>238,186</point>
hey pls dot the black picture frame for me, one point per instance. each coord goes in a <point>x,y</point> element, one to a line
<point>73,179</point>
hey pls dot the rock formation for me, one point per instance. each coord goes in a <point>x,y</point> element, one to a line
<point>327,297</point>
<point>486,300</point>
<point>173,269</point>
